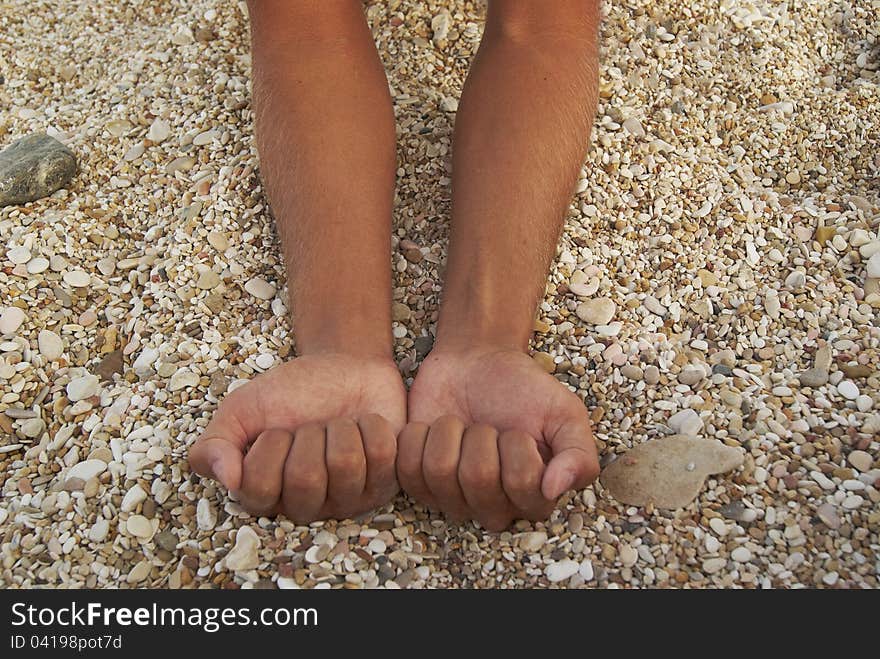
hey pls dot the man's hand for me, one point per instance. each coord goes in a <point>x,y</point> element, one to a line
<point>313,438</point>
<point>492,437</point>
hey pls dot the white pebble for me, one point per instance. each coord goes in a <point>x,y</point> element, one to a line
<point>10,320</point>
<point>50,344</point>
<point>260,288</point>
<point>562,570</point>
<point>848,389</point>
<point>82,387</point>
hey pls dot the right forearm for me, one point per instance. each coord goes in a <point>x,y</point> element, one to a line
<point>325,134</point>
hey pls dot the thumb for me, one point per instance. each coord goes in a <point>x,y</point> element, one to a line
<point>574,463</point>
<point>217,458</point>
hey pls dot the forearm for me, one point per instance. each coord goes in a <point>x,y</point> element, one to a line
<point>325,134</point>
<point>521,134</point>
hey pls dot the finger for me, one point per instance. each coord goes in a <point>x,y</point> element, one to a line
<point>217,458</point>
<point>346,466</point>
<point>380,449</point>
<point>263,474</point>
<point>521,472</point>
<point>410,451</point>
<point>305,474</point>
<point>479,474</point>
<point>440,466</point>
<point>574,464</point>
<point>219,452</point>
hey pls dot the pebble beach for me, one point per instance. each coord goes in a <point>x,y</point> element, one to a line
<point>718,279</point>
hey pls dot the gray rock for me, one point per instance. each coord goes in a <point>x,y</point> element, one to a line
<point>34,167</point>
<point>668,472</point>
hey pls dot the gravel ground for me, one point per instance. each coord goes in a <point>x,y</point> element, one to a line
<point>729,209</point>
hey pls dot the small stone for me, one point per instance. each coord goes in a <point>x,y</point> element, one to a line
<point>741,555</point>
<point>245,554</point>
<point>87,469</point>
<point>260,288</point>
<point>77,278</point>
<point>50,345</point>
<point>713,565</point>
<point>860,460</point>
<point>140,527</point>
<point>813,377</point>
<point>828,514</point>
<point>33,428</point>
<point>37,265</point>
<point>111,363</point>
<point>864,403</point>
<point>628,555</point>
<point>686,422</point>
<point>545,361</point>
<point>873,266</point>
<point>159,131</point>
<point>206,516</point>
<point>207,280</point>
<point>265,361</point>
<point>10,320</point>
<point>182,378</point>
<point>598,311</point>
<point>830,578</point>
<point>133,498</point>
<point>19,255</point>
<point>848,389</point>
<point>586,570</point>
<point>632,372</point>
<point>166,540</point>
<point>99,530</point>
<point>634,127</point>
<point>139,572</point>
<point>532,541</point>
<point>824,234</point>
<point>219,384</point>
<point>796,280</point>
<point>652,374</point>
<point>34,167</point>
<point>562,570</point>
<point>657,471</point>
<point>691,376</point>
<point>82,387</point>
<point>719,526</point>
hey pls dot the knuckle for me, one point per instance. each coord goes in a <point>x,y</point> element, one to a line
<point>382,451</point>
<point>305,482</point>
<point>476,474</point>
<point>346,462</point>
<point>440,470</point>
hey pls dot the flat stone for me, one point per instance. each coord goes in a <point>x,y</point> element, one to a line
<point>182,378</point>
<point>598,311</point>
<point>848,389</point>
<point>19,255</point>
<point>668,471</point>
<point>34,167</point>
<point>139,572</point>
<point>37,265</point>
<point>99,530</point>
<point>87,469</point>
<point>77,278</point>
<point>133,498</point>
<point>532,541</point>
<point>11,319</point>
<point>82,387</point>
<point>140,527</point>
<point>686,422</point>
<point>50,344</point>
<point>562,570</point>
<point>218,241</point>
<point>691,375</point>
<point>873,266</point>
<point>245,554</point>
<point>628,555</point>
<point>860,460</point>
<point>207,280</point>
<point>112,362</point>
<point>159,130</point>
<point>260,288</point>
<point>828,514</point>
<point>206,516</point>
<point>813,377</point>
<point>166,540</point>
